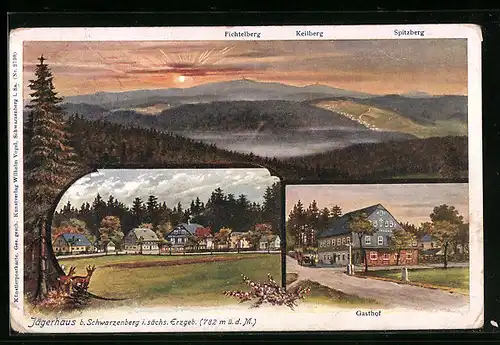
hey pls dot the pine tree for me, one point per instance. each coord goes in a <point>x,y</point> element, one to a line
<point>50,164</point>
<point>138,212</point>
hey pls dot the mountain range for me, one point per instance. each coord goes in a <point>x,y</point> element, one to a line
<point>275,119</point>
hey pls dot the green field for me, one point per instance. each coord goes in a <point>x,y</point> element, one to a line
<point>183,284</point>
<point>456,278</point>
<point>391,121</point>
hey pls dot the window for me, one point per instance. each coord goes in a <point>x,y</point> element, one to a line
<point>373,256</point>
<point>386,223</point>
<point>386,257</point>
<point>348,240</point>
<point>375,223</point>
<point>408,256</point>
<point>338,241</point>
<point>380,240</point>
<point>343,240</point>
<point>368,240</point>
<point>391,224</point>
<point>343,257</point>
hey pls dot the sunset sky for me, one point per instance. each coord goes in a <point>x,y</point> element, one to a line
<point>407,202</point>
<point>435,66</point>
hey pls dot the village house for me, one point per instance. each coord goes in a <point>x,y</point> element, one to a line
<point>110,247</point>
<point>270,242</point>
<point>333,243</point>
<point>68,243</point>
<point>181,237</point>
<point>427,242</point>
<point>141,241</point>
<point>238,240</point>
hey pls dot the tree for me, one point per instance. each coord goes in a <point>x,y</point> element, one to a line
<point>312,215</point>
<point>336,212</point>
<point>202,234</point>
<point>400,240</point>
<point>162,242</point>
<point>222,236</point>
<point>138,212</point>
<point>463,238</point>
<point>50,164</point>
<point>140,242</point>
<point>111,230</point>
<point>152,208</point>
<point>296,223</point>
<point>169,245</point>
<point>272,206</point>
<point>447,213</point>
<point>445,232</point>
<point>360,225</point>
<point>254,236</point>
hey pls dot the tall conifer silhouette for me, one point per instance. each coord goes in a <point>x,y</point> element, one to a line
<point>50,164</point>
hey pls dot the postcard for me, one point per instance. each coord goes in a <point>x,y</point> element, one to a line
<point>245,179</point>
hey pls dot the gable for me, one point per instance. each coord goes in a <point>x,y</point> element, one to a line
<point>383,221</point>
<point>76,239</point>
<point>146,234</point>
<point>376,214</point>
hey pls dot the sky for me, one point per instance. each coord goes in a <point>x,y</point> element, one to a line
<point>435,66</point>
<point>169,185</point>
<point>406,202</point>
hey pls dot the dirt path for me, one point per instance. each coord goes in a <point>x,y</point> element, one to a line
<point>387,293</point>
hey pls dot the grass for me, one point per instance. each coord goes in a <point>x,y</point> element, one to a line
<point>324,295</point>
<point>191,284</point>
<point>455,279</point>
<point>391,121</point>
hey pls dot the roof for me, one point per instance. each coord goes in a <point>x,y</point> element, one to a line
<point>238,233</point>
<point>341,225</point>
<point>426,238</point>
<point>145,233</point>
<point>269,238</point>
<point>191,227</point>
<point>80,240</point>
<point>432,251</point>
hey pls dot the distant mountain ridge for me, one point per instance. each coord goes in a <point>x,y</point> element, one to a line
<point>243,89</point>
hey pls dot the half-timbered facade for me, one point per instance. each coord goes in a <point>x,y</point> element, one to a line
<point>334,242</point>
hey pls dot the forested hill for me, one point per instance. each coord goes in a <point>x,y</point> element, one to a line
<point>111,145</point>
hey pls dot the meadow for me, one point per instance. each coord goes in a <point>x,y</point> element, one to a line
<point>187,280</point>
<point>454,279</point>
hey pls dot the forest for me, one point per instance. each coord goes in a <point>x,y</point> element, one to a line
<point>220,211</point>
<point>58,149</point>
<point>445,225</point>
<point>105,144</point>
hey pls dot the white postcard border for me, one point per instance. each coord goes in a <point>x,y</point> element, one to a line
<point>281,319</point>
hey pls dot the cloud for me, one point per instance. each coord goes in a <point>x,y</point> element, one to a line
<point>188,69</point>
<point>169,185</point>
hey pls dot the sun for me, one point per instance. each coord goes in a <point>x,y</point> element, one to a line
<point>181,79</point>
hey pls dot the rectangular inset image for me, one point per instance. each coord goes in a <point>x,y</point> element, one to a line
<point>158,240</point>
<point>380,253</point>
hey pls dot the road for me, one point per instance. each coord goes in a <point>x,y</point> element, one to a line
<point>388,293</point>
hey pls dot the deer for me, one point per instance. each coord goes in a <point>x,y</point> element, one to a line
<point>83,281</point>
<point>64,281</point>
